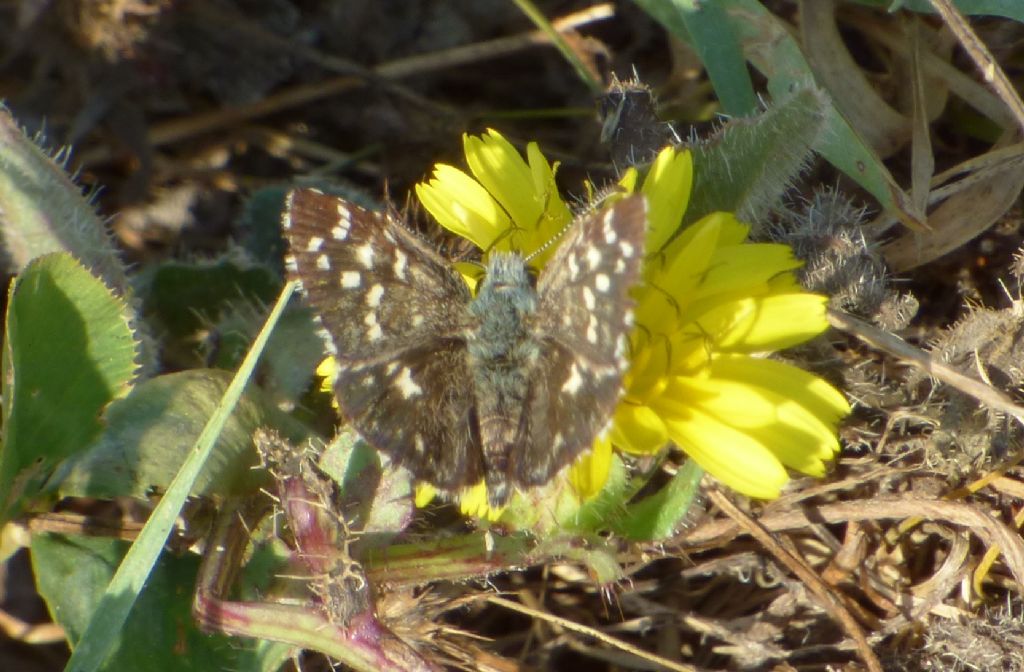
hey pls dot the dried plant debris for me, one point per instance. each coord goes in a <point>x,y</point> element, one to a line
<point>991,640</point>
<point>329,547</point>
<point>985,344</point>
<point>826,231</point>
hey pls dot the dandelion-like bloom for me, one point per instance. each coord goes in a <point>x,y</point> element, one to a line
<point>711,306</point>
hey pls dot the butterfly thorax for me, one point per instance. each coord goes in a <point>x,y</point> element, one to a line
<point>502,352</point>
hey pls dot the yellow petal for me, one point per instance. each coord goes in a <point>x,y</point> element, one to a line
<point>747,268</point>
<point>589,474</point>
<point>425,494</point>
<point>638,429</point>
<point>497,165</point>
<point>669,282</point>
<point>556,215</point>
<point>628,180</point>
<point>462,206</point>
<point>648,365</point>
<point>731,231</point>
<point>667,187</point>
<point>326,371</point>
<point>327,367</point>
<point>471,273</point>
<point>731,456</point>
<point>792,433</point>
<point>803,388</point>
<point>765,324</point>
<point>473,502</point>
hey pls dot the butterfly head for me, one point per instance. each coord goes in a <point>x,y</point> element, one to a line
<point>507,286</point>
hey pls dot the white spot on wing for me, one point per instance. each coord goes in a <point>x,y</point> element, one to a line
<point>620,351</point>
<point>373,331</point>
<point>609,231</point>
<point>602,282</point>
<point>417,320</point>
<point>573,383</point>
<point>314,244</point>
<point>351,279</point>
<point>323,263</point>
<point>374,295</point>
<point>593,257</point>
<point>588,298</point>
<point>592,330</point>
<point>620,266</point>
<point>328,340</point>
<point>627,249</point>
<point>364,253</point>
<point>341,229</point>
<point>574,267</point>
<point>406,385</point>
<point>400,261</point>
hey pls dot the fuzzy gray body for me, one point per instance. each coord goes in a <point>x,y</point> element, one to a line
<point>502,352</point>
<point>507,387</point>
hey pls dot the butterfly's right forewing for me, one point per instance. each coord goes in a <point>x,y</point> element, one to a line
<point>583,326</point>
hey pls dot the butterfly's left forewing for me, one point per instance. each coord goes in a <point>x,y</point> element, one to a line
<point>392,312</point>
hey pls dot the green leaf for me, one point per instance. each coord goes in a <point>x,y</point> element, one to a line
<point>769,46</point>
<point>293,353</point>
<point>161,636</point>
<point>69,351</point>
<point>259,226</point>
<point>377,500</point>
<point>151,432</point>
<point>110,615</point>
<point>749,163</point>
<point>659,516</point>
<point>777,55</point>
<point>709,31</point>
<point>43,211</point>
<point>186,297</point>
<point>595,514</point>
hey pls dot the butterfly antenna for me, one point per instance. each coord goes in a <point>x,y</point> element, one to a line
<point>553,240</point>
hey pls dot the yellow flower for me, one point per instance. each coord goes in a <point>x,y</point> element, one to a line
<point>710,308</point>
<point>507,204</point>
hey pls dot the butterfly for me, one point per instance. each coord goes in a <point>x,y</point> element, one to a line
<point>508,386</point>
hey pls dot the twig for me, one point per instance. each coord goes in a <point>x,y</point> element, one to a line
<point>982,57</point>
<point>899,348</point>
<point>592,632</point>
<point>828,599</point>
